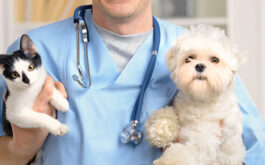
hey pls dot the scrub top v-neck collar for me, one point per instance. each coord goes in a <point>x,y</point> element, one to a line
<point>104,70</point>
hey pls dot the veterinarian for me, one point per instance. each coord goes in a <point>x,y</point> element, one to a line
<point>119,50</point>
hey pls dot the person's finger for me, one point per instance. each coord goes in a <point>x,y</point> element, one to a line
<point>4,96</point>
<point>59,86</point>
<point>47,90</point>
<point>221,124</point>
<point>18,129</point>
<point>164,148</point>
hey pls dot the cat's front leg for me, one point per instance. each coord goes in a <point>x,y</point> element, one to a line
<point>27,118</point>
<point>58,101</point>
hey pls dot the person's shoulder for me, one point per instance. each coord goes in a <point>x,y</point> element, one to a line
<point>50,33</point>
<point>170,28</point>
<point>57,28</point>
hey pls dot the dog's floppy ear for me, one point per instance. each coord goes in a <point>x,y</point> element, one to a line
<point>27,46</point>
<point>171,58</point>
<point>239,59</point>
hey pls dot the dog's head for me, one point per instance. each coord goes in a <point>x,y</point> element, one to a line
<point>203,62</point>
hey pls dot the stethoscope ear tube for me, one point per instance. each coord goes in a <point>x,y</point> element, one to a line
<point>79,15</point>
<point>78,12</point>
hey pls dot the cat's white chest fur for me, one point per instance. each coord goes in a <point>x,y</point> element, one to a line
<point>24,97</point>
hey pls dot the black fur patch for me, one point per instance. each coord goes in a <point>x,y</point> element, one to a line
<point>25,79</point>
<point>5,123</point>
<point>9,60</point>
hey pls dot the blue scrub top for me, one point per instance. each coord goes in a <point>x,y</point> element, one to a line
<point>98,114</point>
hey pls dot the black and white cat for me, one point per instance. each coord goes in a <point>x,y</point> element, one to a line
<point>25,76</point>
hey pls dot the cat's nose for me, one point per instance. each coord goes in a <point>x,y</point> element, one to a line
<point>25,79</point>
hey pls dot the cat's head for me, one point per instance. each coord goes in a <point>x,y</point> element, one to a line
<point>23,67</point>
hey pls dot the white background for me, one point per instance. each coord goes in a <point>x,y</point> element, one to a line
<point>246,22</point>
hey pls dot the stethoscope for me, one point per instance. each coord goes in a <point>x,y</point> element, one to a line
<point>79,15</point>
<point>131,132</point>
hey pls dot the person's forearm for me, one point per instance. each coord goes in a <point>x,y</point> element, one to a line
<point>9,155</point>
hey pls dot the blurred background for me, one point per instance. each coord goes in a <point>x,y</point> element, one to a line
<point>243,21</point>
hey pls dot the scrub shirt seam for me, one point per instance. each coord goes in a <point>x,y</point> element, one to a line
<point>65,63</point>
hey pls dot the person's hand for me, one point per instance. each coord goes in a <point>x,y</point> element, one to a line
<point>26,142</point>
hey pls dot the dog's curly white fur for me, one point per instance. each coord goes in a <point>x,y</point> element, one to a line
<point>205,118</point>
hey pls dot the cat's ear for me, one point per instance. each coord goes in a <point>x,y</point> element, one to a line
<point>3,59</point>
<point>27,46</point>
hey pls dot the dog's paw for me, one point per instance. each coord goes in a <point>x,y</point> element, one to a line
<point>59,130</point>
<point>162,127</point>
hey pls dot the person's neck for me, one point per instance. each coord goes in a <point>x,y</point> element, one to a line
<point>138,24</point>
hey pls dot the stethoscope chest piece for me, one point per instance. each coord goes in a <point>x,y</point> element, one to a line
<point>130,134</point>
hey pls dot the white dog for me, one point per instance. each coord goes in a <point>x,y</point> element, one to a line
<point>205,119</point>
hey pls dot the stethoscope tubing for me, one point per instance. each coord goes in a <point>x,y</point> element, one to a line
<point>149,72</point>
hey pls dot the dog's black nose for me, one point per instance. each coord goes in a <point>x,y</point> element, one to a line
<point>200,67</point>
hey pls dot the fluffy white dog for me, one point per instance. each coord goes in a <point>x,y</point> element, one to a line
<point>205,119</point>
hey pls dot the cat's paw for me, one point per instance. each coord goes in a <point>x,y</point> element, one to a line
<point>59,130</point>
<point>63,105</point>
<point>60,103</point>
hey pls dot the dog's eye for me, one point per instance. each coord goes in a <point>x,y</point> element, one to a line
<point>187,60</point>
<point>215,60</point>
<point>191,56</point>
<point>15,75</point>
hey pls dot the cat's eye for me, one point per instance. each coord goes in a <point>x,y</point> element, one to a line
<point>215,60</point>
<point>31,67</point>
<point>15,75</point>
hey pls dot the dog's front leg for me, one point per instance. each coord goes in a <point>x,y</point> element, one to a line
<point>162,127</point>
<point>232,149</point>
